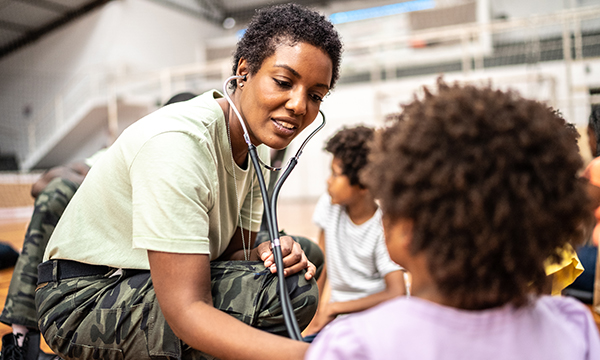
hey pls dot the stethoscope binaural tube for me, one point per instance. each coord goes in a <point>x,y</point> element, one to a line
<point>270,209</point>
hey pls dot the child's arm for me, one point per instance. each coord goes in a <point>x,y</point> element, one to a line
<point>314,325</point>
<point>394,286</point>
<point>323,278</point>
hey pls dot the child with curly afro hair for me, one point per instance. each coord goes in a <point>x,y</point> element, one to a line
<point>478,188</point>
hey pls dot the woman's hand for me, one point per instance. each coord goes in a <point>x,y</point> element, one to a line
<point>294,258</point>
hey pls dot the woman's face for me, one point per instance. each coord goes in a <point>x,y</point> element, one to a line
<point>285,94</point>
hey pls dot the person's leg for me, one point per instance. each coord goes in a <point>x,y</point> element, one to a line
<point>19,309</point>
<point>49,206</point>
<point>104,317</point>
<point>119,317</point>
<point>249,292</point>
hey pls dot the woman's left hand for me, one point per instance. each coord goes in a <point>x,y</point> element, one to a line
<point>294,258</point>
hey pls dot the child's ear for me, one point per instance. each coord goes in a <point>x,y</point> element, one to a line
<point>398,237</point>
<point>364,191</point>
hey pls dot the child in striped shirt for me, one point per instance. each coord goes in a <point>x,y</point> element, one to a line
<point>358,266</point>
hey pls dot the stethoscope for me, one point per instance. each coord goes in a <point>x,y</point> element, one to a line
<point>270,209</point>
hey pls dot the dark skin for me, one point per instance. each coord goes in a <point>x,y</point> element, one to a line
<point>593,191</point>
<point>277,103</point>
<point>74,172</point>
<point>398,236</point>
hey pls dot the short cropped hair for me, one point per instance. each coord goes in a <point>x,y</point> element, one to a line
<point>290,24</point>
<point>351,146</point>
<point>489,180</point>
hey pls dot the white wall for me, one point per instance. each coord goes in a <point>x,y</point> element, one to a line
<point>130,36</point>
<point>521,9</point>
<point>349,105</point>
<point>126,36</point>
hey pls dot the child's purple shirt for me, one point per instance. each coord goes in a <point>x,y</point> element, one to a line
<point>410,328</point>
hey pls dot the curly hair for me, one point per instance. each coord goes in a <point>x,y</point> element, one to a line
<point>351,146</point>
<point>290,24</point>
<point>489,181</point>
<point>594,124</point>
<point>570,126</point>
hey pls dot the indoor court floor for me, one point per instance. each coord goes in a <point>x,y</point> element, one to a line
<point>295,217</point>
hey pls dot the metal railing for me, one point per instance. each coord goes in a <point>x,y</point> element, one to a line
<point>569,36</point>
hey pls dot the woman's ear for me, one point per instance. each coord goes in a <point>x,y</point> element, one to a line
<point>242,69</point>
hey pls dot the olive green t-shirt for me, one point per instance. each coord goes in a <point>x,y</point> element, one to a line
<point>167,184</point>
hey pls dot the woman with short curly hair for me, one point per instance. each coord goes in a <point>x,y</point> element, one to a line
<point>478,188</point>
<point>155,256</point>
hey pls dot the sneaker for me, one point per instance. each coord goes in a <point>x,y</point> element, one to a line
<point>29,351</point>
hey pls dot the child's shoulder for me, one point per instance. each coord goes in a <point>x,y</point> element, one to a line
<point>565,309</point>
<point>324,207</point>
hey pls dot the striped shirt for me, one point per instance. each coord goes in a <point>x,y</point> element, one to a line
<point>357,257</point>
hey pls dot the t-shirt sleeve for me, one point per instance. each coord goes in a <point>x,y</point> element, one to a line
<point>581,320</point>
<point>95,157</point>
<point>338,341</point>
<point>321,212</point>
<point>593,339</point>
<point>171,195</point>
<point>384,264</point>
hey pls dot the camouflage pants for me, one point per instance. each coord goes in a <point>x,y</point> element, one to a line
<point>120,325</point>
<point>118,317</point>
<point>49,206</point>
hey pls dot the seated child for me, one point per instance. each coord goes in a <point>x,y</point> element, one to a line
<point>478,187</point>
<point>358,266</point>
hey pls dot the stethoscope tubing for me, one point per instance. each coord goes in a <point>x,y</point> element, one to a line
<point>270,209</point>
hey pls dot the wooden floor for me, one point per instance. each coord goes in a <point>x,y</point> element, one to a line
<point>12,233</point>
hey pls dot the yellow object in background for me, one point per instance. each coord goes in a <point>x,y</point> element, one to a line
<point>565,272</point>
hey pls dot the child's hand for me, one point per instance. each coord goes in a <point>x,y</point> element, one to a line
<point>294,259</point>
<point>325,314</point>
